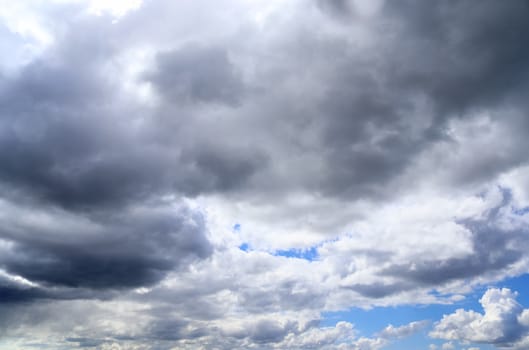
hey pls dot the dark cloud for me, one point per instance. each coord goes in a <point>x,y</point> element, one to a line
<point>194,74</point>
<point>268,331</point>
<point>381,290</point>
<point>331,107</point>
<point>216,168</point>
<point>168,329</point>
<point>64,141</point>
<point>340,8</point>
<point>59,141</point>
<point>68,137</point>
<point>463,55</point>
<point>11,293</point>
<point>430,64</point>
<point>126,250</point>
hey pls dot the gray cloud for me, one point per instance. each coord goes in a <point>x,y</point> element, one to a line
<point>335,7</point>
<point>492,251</point>
<point>69,138</point>
<point>12,293</point>
<point>365,121</point>
<point>131,249</point>
<point>195,74</point>
<point>383,108</point>
<point>266,331</point>
<point>312,117</point>
<point>466,61</point>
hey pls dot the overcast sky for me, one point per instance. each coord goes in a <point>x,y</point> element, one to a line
<point>264,174</point>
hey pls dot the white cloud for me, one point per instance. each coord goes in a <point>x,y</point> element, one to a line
<point>403,331</point>
<point>287,118</point>
<point>448,346</point>
<point>502,323</point>
<point>117,8</point>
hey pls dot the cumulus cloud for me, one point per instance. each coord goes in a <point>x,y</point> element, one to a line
<point>370,153</point>
<point>503,322</point>
<point>403,331</point>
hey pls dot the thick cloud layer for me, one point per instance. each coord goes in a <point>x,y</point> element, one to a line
<point>176,177</point>
<point>132,248</point>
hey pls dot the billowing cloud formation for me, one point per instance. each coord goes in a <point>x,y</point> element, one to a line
<point>175,177</point>
<point>504,322</point>
<point>132,248</point>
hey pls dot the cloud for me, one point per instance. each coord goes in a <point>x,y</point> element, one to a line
<point>349,131</point>
<point>403,331</point>
<point>448,346</point>
<point>12,292</point>
<point>502,322</point>
<point>133,248</point>
<point>388,139</point>
<point>193,74</point>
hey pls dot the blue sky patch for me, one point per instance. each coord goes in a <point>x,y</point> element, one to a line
<point>309,254</point>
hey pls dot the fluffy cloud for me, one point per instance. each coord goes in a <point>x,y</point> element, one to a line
<point>503,323</point>
<point>369,153</point>
<point>403,331</point>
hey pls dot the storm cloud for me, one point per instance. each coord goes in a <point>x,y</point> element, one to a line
<point>227,173</point>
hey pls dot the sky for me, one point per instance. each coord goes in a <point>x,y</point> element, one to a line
<point>264,174</point>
